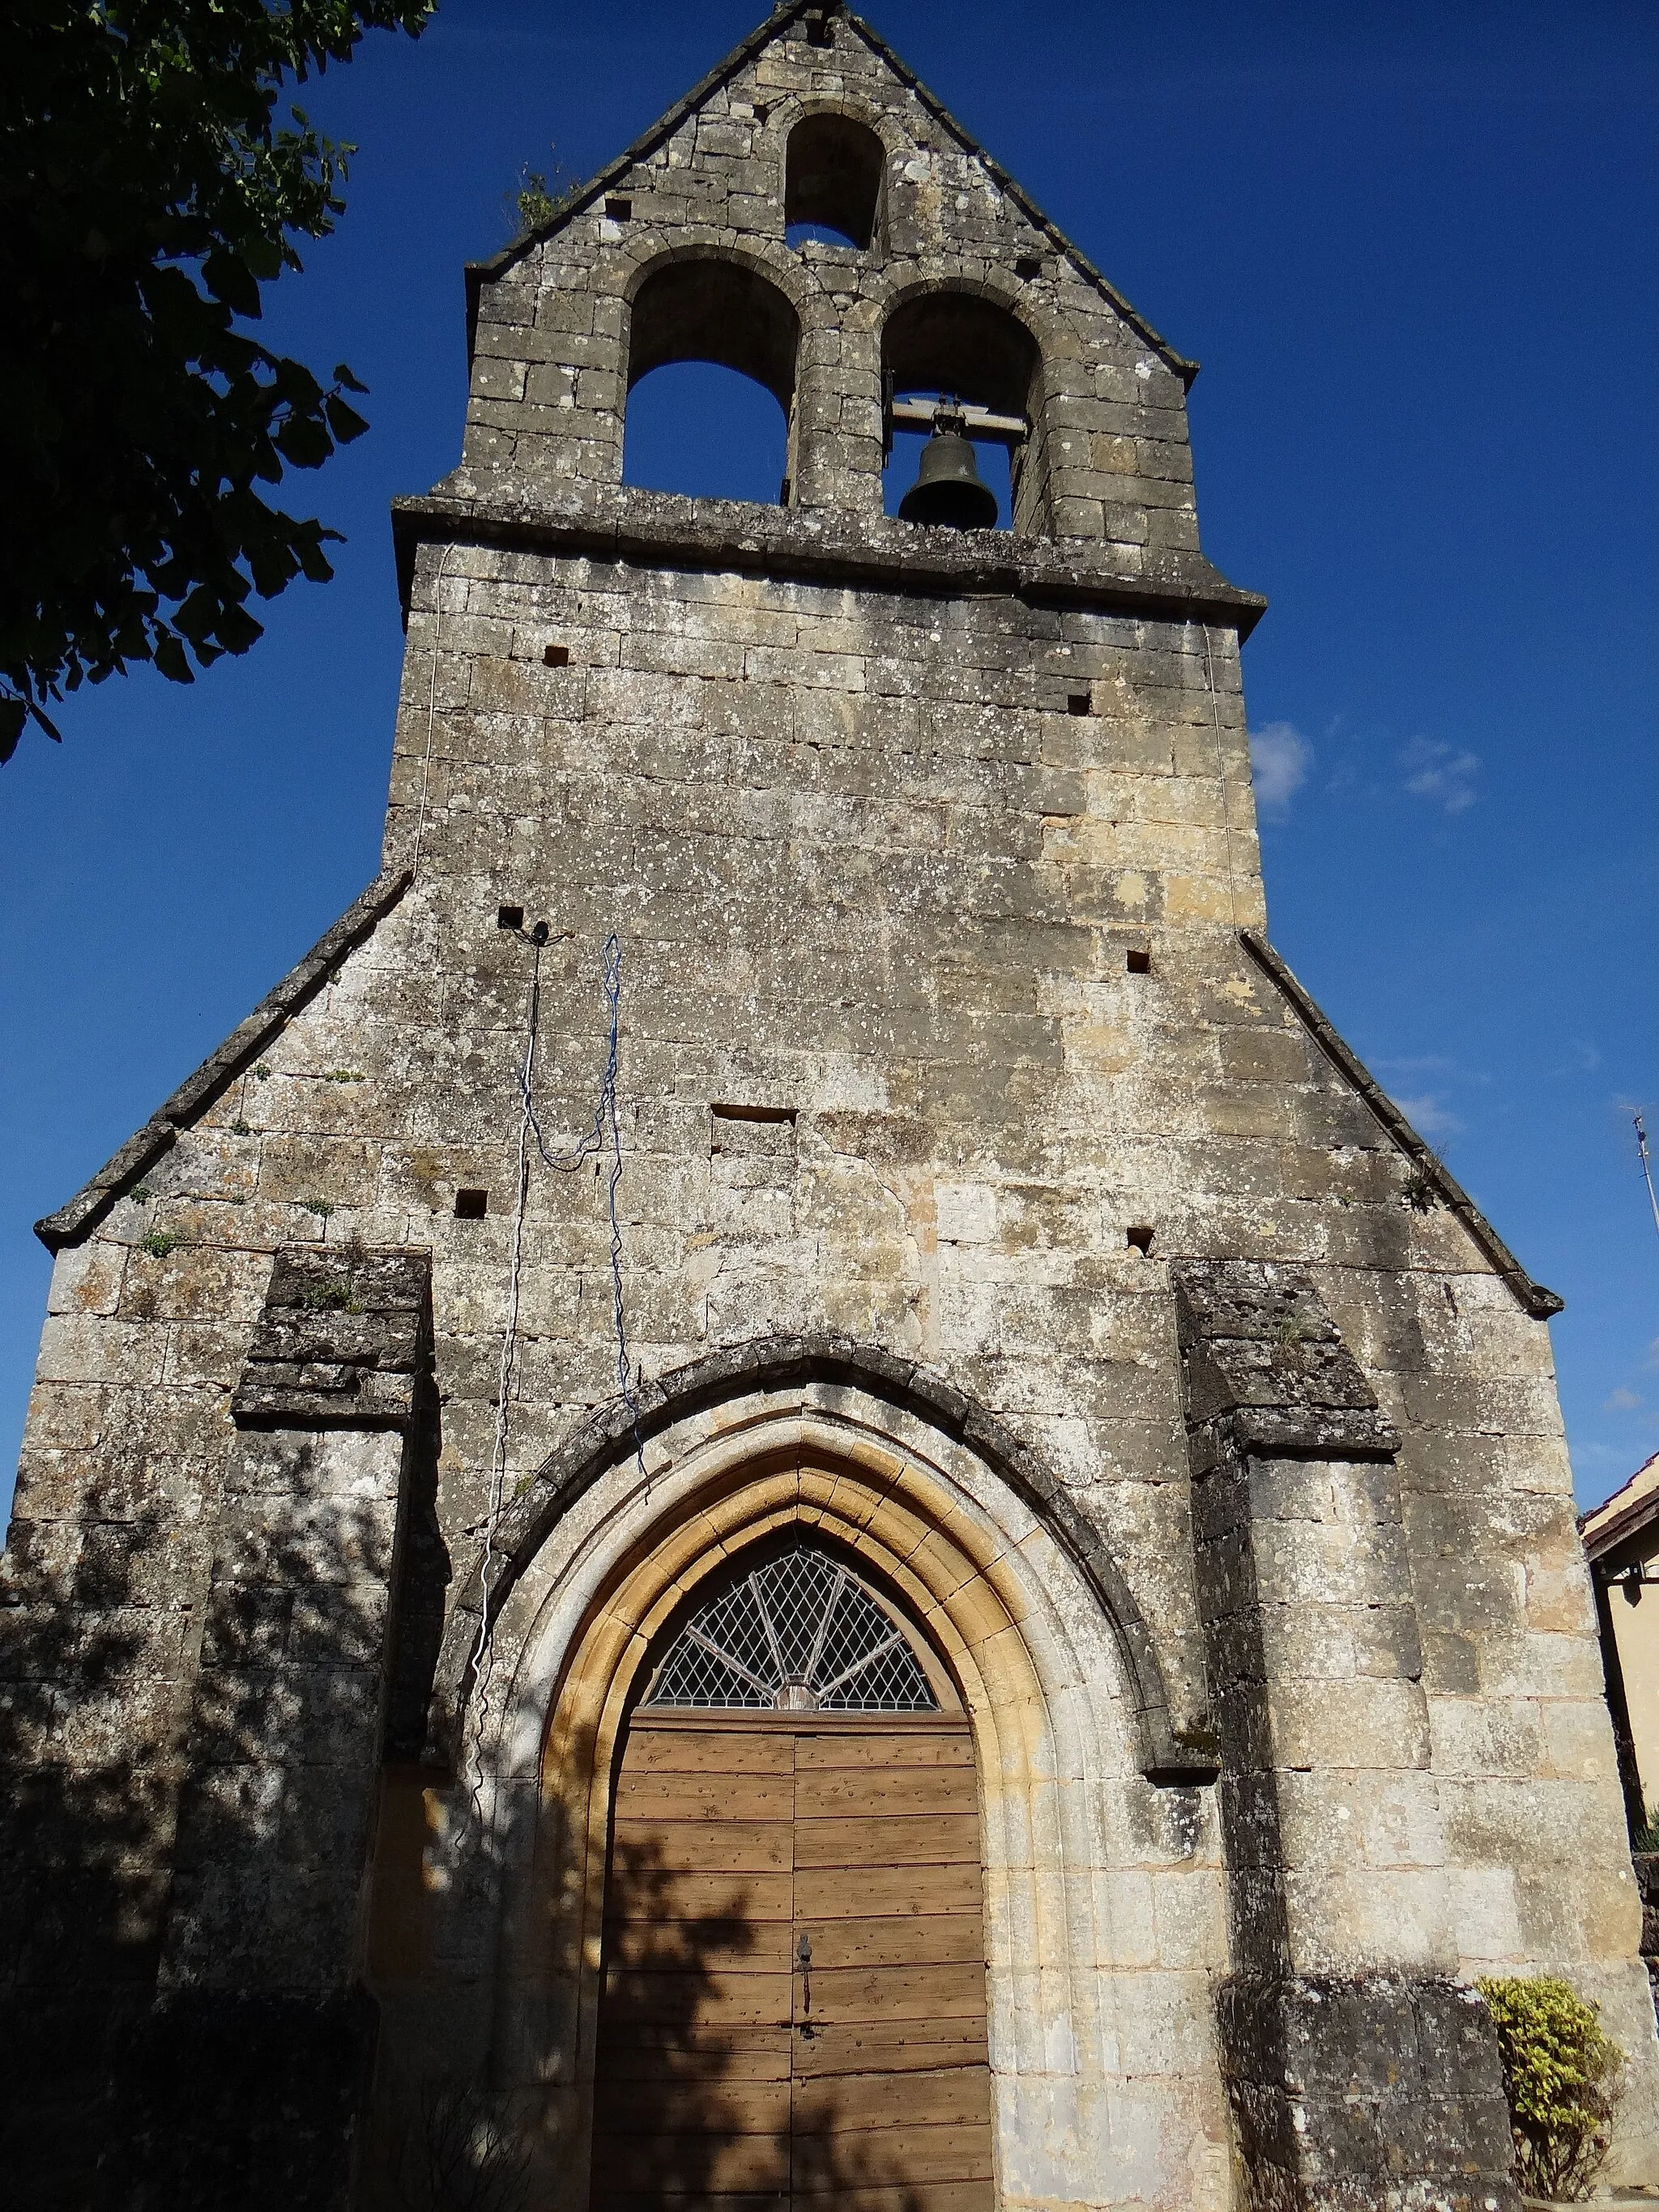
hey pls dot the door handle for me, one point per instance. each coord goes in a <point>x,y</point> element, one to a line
<point>803,1960</point>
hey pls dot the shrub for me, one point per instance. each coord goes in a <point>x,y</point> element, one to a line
<point>1561,2076</point>
<point>1646,1838</point>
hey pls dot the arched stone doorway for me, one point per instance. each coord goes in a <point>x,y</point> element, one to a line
<point>1103,1904</point>
<point>792,2001</point>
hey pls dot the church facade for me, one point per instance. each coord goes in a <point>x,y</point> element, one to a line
<point>786,1487</point>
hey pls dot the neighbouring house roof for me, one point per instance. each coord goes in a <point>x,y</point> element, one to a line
<point>1626,1514</point>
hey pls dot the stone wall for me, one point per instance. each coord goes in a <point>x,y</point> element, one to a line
<point>947,1032</point>
<point>555,324</point>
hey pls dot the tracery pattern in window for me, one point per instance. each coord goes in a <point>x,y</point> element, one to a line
<point>801,1634</point>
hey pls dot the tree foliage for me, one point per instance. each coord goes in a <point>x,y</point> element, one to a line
<point>147,191</point>
<point>1561,2078</point>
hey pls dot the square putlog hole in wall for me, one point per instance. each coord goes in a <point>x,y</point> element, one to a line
<point>555,656</point>
<point>1138,960</point>
<point>1027,266</point>
<point>1077,703</point>
<point>820,31</point>
<point>472,1205</point>
<point>750,1147</point>
<point>509,917</point>
<point>619,210</point>
<point>1139,1239</point>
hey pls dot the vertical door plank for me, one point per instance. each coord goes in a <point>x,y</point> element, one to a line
<point>691,2089</point>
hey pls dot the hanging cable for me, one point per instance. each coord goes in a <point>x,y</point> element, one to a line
<point>604,1137</point>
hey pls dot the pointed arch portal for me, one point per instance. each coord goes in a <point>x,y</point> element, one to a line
<point>792,2002</point>
<point>661,1858</point>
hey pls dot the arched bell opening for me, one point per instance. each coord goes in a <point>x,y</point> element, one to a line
<point>963,374</point>
<point>834,168</point>
<point>713,336</point>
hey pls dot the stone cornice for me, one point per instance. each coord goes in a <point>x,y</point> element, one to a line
<point>825,546</point>
<point>1265,1372</point>
<point>343,1341</point>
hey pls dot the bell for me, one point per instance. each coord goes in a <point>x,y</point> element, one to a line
<point>949,492</point>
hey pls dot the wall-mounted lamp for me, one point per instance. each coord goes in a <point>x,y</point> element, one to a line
<point>1632,1580</point>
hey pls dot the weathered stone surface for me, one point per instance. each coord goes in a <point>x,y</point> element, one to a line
<point>342,1339</point>
<point>1372,2092</point>
<point>962,1117</point>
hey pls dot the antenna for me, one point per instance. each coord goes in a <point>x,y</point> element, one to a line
<point>1647,1165</point>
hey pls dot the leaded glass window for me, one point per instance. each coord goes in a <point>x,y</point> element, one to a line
<point>800,1634</point>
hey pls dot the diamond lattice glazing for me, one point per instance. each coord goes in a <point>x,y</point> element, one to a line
<point>802,1632</point>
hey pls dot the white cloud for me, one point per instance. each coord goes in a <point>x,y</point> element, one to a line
<point>1434,772</point>
<point>1281,758</point>
<point>1428,1116</point>
<point>1622,1401</point>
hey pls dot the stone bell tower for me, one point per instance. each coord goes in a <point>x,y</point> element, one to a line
<point>786,1487</point>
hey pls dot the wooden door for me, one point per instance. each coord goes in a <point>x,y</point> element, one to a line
<point>792,2007</point>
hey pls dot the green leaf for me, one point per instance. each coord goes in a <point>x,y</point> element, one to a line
<point>345,422</point>
<point>302,440</point>
<point>14,715</point>
<point>313,561</point>
<point>228,278</point>
<point>170,660</point>
<point>237,630</point>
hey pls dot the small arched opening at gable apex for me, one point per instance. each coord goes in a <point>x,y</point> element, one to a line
<point>960,344</point>
<point>714,336</point>
<point>835,167</point>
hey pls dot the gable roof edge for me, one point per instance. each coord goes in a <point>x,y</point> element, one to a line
<point>1532,1297</point>
<point>477,273</point>
<point>1184,369</point>
<point>246,1041</point>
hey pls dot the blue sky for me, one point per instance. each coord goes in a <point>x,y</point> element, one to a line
<point>1413,245</point>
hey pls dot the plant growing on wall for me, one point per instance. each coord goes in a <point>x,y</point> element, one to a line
<point>1561,2076</point>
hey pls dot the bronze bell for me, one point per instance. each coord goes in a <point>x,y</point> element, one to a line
<point>949,491</point>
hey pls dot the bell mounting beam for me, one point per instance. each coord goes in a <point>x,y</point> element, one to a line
<point>976,422</point>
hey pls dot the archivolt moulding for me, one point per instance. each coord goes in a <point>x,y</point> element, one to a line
<point>779,1364</point>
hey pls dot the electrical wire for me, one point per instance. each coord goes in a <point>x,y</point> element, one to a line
<point>603,1137</point>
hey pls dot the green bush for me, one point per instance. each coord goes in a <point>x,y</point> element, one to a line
<point>1561,2076</point>
<point>1646,1838</point>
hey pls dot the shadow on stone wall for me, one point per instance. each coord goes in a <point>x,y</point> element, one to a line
<point>692,2085</point>
<point>181,1874</point>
